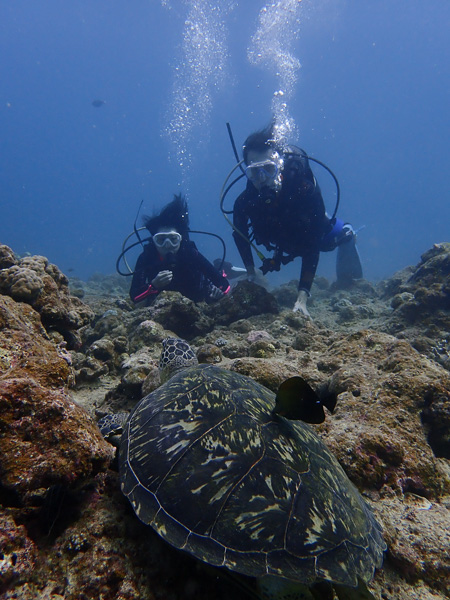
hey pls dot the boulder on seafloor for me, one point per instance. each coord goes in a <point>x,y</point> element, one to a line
<point>434,266</point>
<point>246,300</point>
<point>209,353</point>
<point>419,293</point>
<point>181,315</point>
<point>410,526</point>
<point>26,350</point>
<point>147,332</point>
<point>34,280</point>
<point>384,388</point>
<point>18,553</point>
<point>136,368</point>
<point>45,438</point>
<point>7,257</point>
<point>270,373</point>
<point>420,304</point>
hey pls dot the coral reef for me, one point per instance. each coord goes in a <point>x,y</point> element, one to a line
<point>67,531</point>
<point>420,297</point>
<point>34,280</point>
<point>46,438</point>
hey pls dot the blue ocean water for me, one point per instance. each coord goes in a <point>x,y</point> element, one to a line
<point>362,86</point>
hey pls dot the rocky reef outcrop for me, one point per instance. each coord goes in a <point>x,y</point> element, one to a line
<point>66,530</point>
<point>49,445</point>
<point>43,286</point>
<point>420,298</point>
<point>46,439</point>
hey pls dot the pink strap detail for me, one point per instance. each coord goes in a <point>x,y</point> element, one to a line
<point>148,292</point>
<point>227,290</point>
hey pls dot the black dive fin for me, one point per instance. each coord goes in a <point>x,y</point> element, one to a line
<point>348,263</point>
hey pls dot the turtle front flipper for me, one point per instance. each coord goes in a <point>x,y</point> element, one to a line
<point>361,592</point>
<point>112,426</point>
<point>277,588</point>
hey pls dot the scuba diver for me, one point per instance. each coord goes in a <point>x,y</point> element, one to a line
<point>282,209</point>
<point>170,261</point>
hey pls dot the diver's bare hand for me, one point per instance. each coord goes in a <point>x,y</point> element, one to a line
<point>300,303</point>
<point>162,280</point>
<point>215,293</point>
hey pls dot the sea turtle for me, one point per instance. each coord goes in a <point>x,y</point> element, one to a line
<point>207,462</point>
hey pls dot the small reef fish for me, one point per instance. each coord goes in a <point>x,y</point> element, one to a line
<point>297,400</point>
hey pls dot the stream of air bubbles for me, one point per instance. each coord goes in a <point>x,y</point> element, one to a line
<point>202,69</point>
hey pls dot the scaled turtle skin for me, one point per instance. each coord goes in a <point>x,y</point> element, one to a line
<point>205,463</point>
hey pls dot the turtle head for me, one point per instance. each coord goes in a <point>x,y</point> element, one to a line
<point>175,356</point>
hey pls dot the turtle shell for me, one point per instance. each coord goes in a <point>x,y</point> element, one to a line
<point>205,463</point>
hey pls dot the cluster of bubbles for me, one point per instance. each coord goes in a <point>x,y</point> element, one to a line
<point>202,70</point>
<point>271,48</point>
<point>200,74</point>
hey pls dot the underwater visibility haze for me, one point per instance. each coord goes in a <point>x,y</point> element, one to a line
<point>107,104</point>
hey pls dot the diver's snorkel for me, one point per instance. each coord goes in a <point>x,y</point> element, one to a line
<point>135,229</point>
<point>226,188</point>
<point>233,145</point>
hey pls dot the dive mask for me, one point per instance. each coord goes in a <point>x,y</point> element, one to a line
<point>261,172</point>
<point>167,241</point>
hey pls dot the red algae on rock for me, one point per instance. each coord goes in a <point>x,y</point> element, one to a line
<point>45,438</point>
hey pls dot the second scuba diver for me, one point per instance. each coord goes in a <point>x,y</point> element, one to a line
<point>170,261</point>
<point>282,209</point>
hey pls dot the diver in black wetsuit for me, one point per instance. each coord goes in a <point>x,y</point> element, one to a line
<point>282,209</point>
<point>170,261</point>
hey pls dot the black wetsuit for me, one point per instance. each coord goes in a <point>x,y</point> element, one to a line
<point>291,222</point>
<point>192,272</point>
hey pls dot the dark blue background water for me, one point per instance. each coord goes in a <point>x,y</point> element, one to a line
<point>371,101</point>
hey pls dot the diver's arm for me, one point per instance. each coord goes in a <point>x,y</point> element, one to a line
<point>310,262</point>
<point>309,268</point>
<point>144,273</point>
